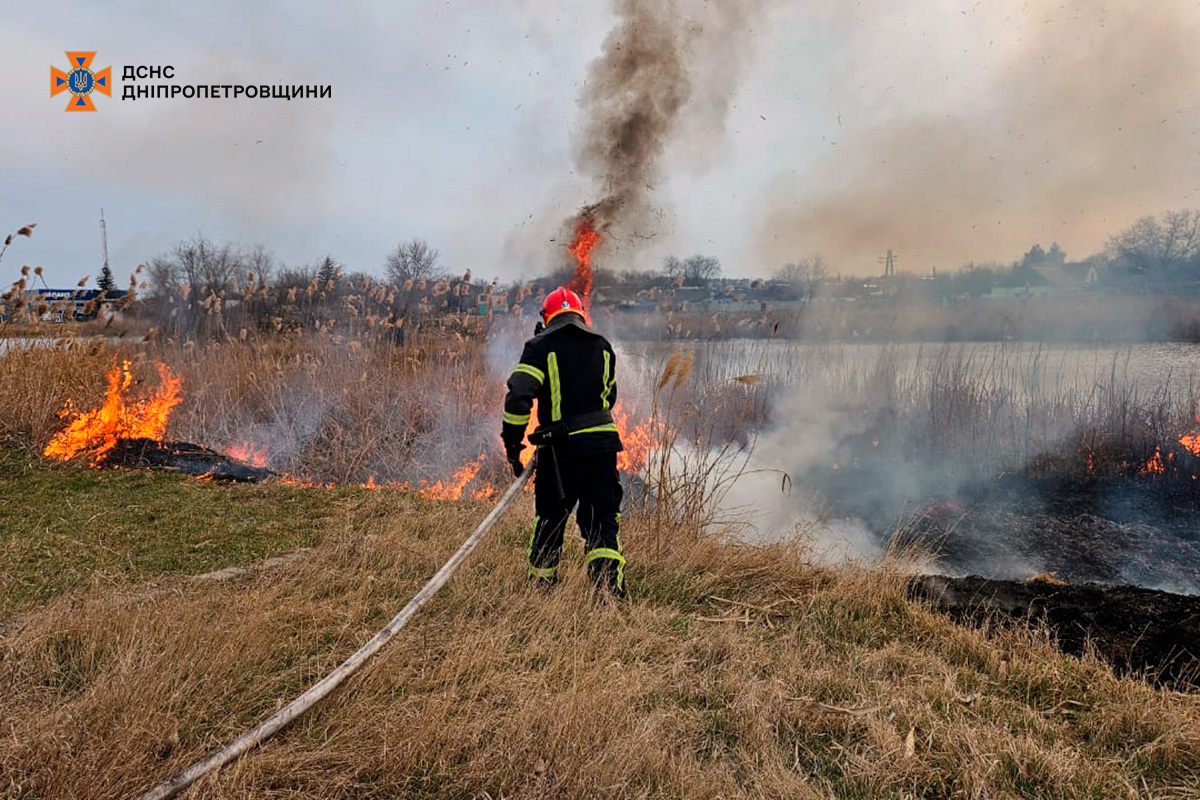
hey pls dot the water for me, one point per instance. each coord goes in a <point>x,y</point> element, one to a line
<point>13,344</point>
<point>8,345</point>
<point>869,434</point>
<point>1148,370</point>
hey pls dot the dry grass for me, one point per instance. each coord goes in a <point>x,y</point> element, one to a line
<point>334,409</point>
<point>733,672</point>
<point>323,408</point>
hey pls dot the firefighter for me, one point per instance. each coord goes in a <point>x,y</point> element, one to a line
<point>571,371</point>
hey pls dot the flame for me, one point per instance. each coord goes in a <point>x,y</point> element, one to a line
<point>581,247</point>
<point>1157,465</point>
<point>255,456</point>
<point>120,417</point>
<point>527,453</point>
<point>452,489</point>
<point>1191,441</point>
<point>638,439</point>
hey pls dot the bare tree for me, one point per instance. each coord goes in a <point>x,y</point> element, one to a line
<point>412,260</point>
<point>804,275</point>
<point>672,266</point>
<point>206,267</point>
<point>806,271</point>
<point>163,276</point>
<point>700,269</point>
<point>1182,235</point>
<point>1156,244</point>
<point>259,261</point>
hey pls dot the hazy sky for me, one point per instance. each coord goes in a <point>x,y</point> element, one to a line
<point>952,131</point>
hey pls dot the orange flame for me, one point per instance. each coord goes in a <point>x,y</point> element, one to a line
<point>1157,465</point>
<point>527,453</point>
<point>255,456</point>
<point>1191,442</point>
<point>120,417</point>
<point>638,439</point>
<point>452,489</point>
<point>581,247</point>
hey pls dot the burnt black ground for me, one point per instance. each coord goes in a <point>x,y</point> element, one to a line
<point>1139,531</point>
<point>185,457</point>
<point>1128,547</point>
<point>1138,631</point>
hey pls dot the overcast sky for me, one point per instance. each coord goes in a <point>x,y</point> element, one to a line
<point>952,131</point>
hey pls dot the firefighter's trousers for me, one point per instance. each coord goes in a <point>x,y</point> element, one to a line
<point>593,481</point>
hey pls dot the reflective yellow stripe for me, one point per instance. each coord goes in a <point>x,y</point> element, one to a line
<point>609,553</point>
<point>605,552</point>
<point>539,572</point>
<point>532,371</point>
<point>610,427</point>
<point>516,419</point>
<point>555,389</point>
<point>604,380</point>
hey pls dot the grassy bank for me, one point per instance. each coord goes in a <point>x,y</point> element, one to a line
<point>65,527</point>
<point>732,671</point>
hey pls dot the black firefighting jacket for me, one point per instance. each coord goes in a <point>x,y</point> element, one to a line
<point>572,373</point>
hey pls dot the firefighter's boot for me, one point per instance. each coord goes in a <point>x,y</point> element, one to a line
<point>607,574</point>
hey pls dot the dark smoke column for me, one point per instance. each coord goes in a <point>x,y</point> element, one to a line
<point>636,93</point>
<point>630,104</point>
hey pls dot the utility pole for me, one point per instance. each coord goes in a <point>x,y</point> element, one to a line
<point>105,281</point>
<point>889,264</point>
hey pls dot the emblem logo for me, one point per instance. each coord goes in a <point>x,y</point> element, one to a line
<point>80,81</point>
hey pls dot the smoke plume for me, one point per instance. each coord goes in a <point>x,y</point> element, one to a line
<point>1054,120</point>
<point>664,79</point>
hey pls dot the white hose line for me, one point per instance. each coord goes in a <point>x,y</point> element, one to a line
<point>317,691</point>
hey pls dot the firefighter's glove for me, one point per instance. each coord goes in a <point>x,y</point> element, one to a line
<point>513,452</point>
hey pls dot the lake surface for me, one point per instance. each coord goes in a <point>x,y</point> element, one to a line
<point>1146,369</point>
<point>15,343</point>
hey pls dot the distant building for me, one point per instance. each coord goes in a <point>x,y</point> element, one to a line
<point>62,305</point>
<point>1049,279</point>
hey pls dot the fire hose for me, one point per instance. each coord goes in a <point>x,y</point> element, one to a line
<point>295,709</point>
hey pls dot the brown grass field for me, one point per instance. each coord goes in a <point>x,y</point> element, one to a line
<point>732,672</point>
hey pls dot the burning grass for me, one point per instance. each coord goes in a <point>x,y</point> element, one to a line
<point>326,410</point>
<point>733,672</point>
<point>94,433</point>
<point>322,410</point>
<point>319,410</point>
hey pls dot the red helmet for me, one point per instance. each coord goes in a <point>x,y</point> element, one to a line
<point>561,301</point>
